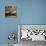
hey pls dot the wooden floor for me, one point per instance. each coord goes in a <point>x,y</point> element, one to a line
<point>30,43</point>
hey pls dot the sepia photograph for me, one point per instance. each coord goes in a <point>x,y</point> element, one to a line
<point>10,11</point>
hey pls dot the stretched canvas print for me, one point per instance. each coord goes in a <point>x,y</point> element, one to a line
<point>33,32</point>
<point>10,11</point>
<point>30,35</point>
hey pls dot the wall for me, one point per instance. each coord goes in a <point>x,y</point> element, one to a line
<point>8,25</point>
<point>33,12</point>
<point>28,12</point>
